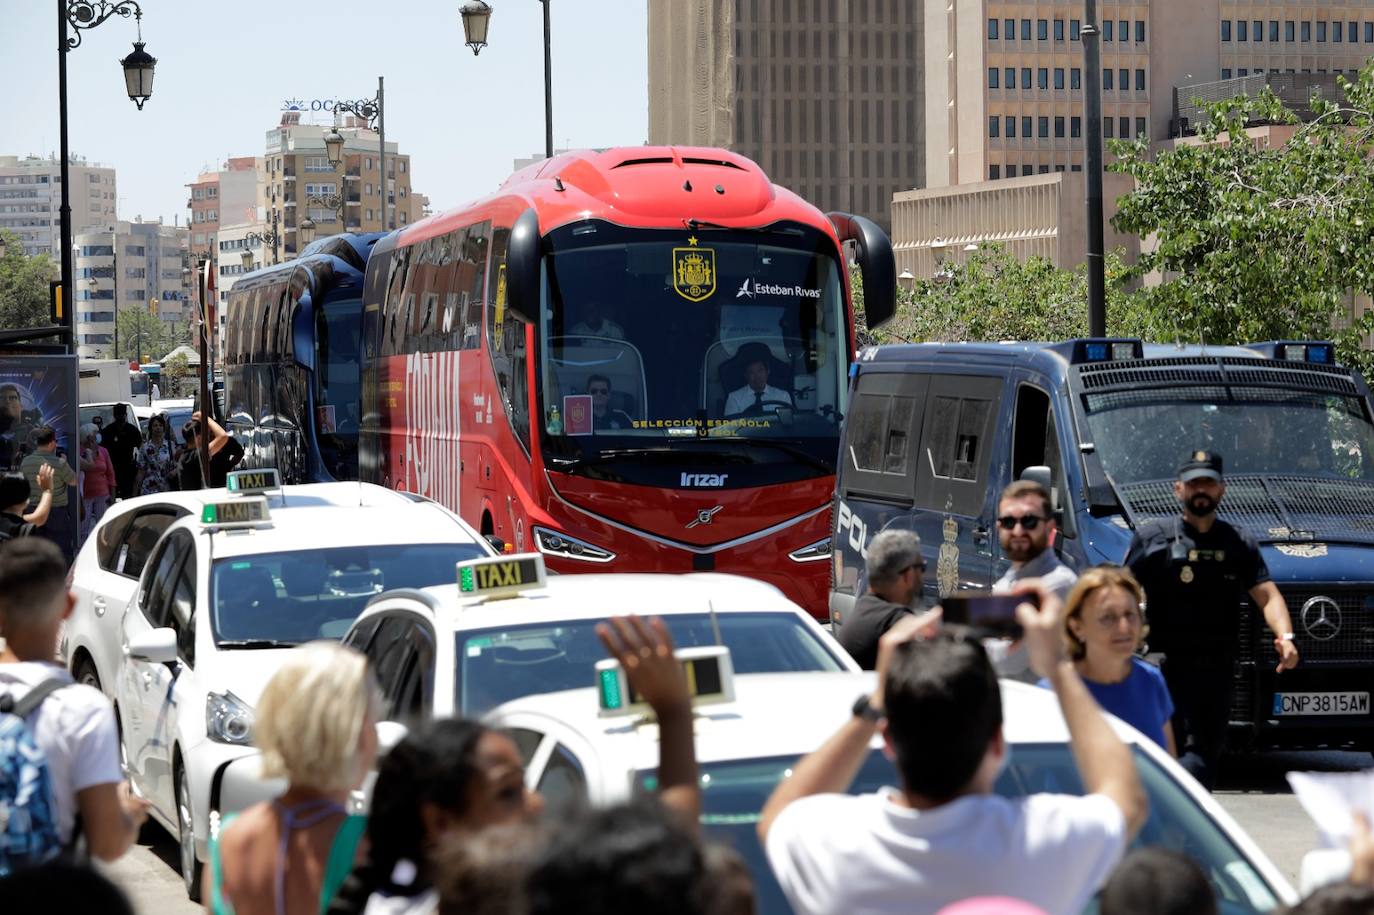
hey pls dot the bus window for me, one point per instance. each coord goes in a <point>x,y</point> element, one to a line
<point>506,340</point>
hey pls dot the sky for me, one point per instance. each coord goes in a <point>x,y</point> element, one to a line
<point>224,71</point>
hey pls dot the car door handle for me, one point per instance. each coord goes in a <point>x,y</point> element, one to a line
<point>99,605</point>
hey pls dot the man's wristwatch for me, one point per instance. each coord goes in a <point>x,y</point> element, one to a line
<point>865,710</point>
<point>1286,637</point>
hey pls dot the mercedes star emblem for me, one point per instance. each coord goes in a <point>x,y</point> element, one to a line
<point>1321,617</point>
<point>704,516</point>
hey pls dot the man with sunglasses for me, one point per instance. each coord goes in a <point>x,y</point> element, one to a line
<point>893,566</point>
<point>1026,529</point>
<point>604,416</point>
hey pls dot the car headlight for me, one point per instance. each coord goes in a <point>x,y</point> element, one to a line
<point>556,543</point>
<point>228,719</point>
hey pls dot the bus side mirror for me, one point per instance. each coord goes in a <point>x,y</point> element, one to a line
<point>523,256</point>
<point>874,250</point>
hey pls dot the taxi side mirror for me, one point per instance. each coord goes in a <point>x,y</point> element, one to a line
<point>156,647</point>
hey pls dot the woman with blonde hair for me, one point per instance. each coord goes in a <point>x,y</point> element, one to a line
<point>316,726</point>
<point>1104,627</point>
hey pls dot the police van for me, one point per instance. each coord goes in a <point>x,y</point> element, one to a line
<point>935,431</point>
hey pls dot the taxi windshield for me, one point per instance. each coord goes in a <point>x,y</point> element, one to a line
<point>730,344</point>
<point>1260,431</point>
<point>498,665</point>
<point>734,792</point>
<point>276,600</point>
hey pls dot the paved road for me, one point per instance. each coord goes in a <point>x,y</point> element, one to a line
<point>1252,790</point>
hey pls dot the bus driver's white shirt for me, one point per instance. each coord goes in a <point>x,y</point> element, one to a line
<point>743,398</point>
<point>839,853</point>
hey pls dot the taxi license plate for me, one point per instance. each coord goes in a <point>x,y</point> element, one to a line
<point>1288,704</point>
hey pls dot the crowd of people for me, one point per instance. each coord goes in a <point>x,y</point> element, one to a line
<point>453,828</point>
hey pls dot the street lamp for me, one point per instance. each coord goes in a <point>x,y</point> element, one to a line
<point>476,19</point>
<point>78,16</point>
<point>265,237</point>
<point>906,279</point>
<point>247,258</point>
<point>306,231</point>
<point>333,146</point>
<point>373,112</point>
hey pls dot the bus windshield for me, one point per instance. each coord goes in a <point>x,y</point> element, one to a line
<point>338,335</point>
<point>1268,432</point>
<point>732,343</point>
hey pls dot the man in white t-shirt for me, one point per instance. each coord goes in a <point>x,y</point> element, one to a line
<point>74,725</point>
<point>944,835</point>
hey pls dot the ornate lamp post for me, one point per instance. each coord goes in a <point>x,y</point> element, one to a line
<point>476,23</point>
<point>373,112</point>
<point>266,237</point>
<point>78,16</point>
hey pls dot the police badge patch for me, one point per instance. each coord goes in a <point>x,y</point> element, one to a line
<point>1186,575</point>
<point>694,272</point>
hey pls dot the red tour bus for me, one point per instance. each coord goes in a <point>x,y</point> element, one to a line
<point>633,360</point>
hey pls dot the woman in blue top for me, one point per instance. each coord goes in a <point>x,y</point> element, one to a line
<point>1104,627</point>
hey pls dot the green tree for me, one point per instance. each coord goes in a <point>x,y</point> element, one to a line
<point>174,371</point>
<point>141,331</point>
<point>1256,241</point>
<point>995,296</point>
<point>23,285</point>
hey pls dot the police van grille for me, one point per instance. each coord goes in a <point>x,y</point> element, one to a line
<point>1352,641</point>
<point>1243,681</point>
<point>1201,370</point>
<point>1274,508</point>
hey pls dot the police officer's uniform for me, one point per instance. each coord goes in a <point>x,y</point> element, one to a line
<point>1194,585</point>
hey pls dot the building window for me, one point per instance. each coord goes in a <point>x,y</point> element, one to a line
<point>1288,30</point>
<point>1075,168</point>
<point>1059,77</point>
<point>1225,73</point>
<point>1044,124</point>
<point>1243,30</point>
<point>1307,31</point>
<point>994,172</point>
<point>1075,78</point>
<point>1059,128</point>
<point>1124,82</point>
<point>1107,30</point>
<point>1011,127</point>
<point>1140,81</point>
<point>1274,30</point>
<point>1042,29</point>
<point>1009,29</point>
<point>1123,30</point>
<point>1353,33</point>
<point>1025,30</point>
<point>1074,28</point>
<point>1026,127</point>
<point>1107,127</point>
<point>994,78</point>
<point>992,29</point>
<point>1107,80</point>
<point>1140,131</point>
<point>1226,30</point>
<point>1011,77</point>
<point>1242,72</point>
<point>1075,127</point>
<point>1059,30</point>
<point>1321,31</point>
<point>1368,32</point>
<point>1025,77</point>
<point>1140,31</point>
<point>1257,30</point>
<point>994,126</point>
<point>1125,128</point>
<point>1042,78</point>
<point>1028,170</point>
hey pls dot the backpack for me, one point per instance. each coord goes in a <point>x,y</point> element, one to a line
<point>28,812</point>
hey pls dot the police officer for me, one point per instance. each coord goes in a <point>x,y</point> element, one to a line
<point>1196,570</point>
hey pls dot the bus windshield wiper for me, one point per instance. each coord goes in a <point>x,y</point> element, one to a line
<point>793,451</point>
<point>255,643</point>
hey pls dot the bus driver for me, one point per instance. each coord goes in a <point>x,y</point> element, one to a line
<point>757,396</point>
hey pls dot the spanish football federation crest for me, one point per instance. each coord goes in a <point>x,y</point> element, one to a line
<point>694,272</point>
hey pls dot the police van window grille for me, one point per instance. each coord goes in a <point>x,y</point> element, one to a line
<point>1096,403</point>
<point>1202,370</point>
<point>1274,508</point>
<point>1150,373</point>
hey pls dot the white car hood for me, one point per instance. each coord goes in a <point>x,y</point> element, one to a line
<point>244,671</point>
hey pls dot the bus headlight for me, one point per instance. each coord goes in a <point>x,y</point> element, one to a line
<point>557,543</point>
<point>228,719</point>
<point>812,552</point>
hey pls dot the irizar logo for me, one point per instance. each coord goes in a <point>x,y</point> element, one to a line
<point>704,479</point>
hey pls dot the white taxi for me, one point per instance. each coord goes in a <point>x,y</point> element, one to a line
<point>579,748</point>
<point>226,593</point>
<point>505,630</point>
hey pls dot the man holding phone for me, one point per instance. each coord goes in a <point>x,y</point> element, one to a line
<point>943,834</point>
<point>894,568</point>
<point>1196,569</point>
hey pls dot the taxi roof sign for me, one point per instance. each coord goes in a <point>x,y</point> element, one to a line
<point>251,482</point>
<point>247,512</point>
<point>710,681</point>
<point>495,577</point>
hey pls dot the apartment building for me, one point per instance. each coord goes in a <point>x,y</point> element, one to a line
<point>133,265</point>
<point>31,200</point>
<point>224,196</point>
<point>825,96</point>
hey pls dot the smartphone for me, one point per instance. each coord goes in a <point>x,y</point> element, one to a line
<point>989,615</point>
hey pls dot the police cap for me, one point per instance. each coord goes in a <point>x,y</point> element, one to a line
<point>1201,464</point>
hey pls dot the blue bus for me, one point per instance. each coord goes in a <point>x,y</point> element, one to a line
<point>292,360</point>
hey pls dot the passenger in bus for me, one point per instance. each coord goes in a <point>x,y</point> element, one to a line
<point>757,396</point>
<point>595,324</point>
<point>604,416</point>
